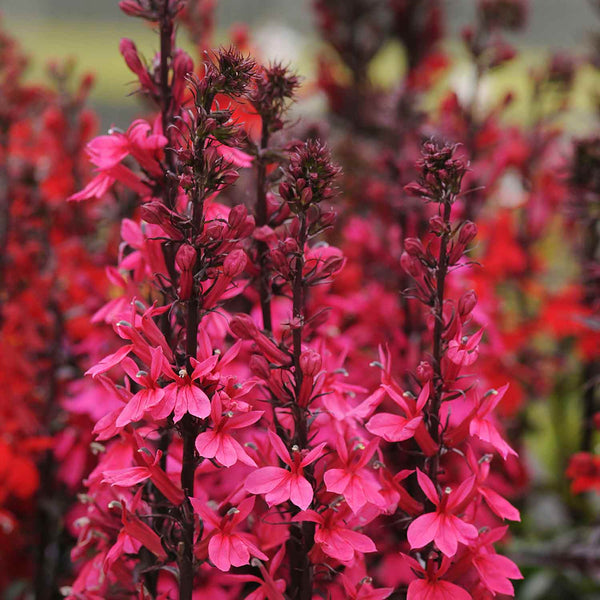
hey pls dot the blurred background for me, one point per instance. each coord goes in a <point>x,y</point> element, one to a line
<point>89,31</point>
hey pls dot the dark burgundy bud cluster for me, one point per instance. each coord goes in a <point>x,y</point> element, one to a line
<point>226,71</point>
<point>274,87</point>
<point>441,173</point>
<point>309,177</point>
<point>439,181</point>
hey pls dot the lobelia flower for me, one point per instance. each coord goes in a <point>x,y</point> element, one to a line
<point>269,587</point>
<point>218,443</point>
<point>227,547</point>
<point>495,571</point>
<point>334,536</point>
<point>431,586</point>
<point>278,484</point>
<point>482,426</point>
<point>499,505</point>
<point>148,468</point>
<point>150,395</point>
<point>183,395</point>
<point>354,481</point>
<point>133,533</point>
<point>107,152</point>
<point>363,590</point>
<point>395,428</point>
<point>463,350</point>
<point>442,526</point>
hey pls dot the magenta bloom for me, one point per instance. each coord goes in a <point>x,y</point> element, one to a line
<point>218,443</point>
<point>226,546</point>
<point>499,505</point>
<point>150,395</point>
<point>279,484</point>
<point>442,526</point>
<point>432,587</point>
<point>495,571</point>
<point>334,536</point>
<point>463,350</point>
<point>183,395</point>
<point>354,481</point>
<point>483,427</point>
<point>397,428</point>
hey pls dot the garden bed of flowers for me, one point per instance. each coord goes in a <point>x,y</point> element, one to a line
<point>352,355</point>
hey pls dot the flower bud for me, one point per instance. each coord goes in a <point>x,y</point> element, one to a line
<point>467,303</point>
<point>185,259</point>
<point>289,246</point>
<point>306,196</point>
<point>234,264</point>
<point>260,367</point>
<point>467,233</point>
<point>129,51</point>
<point>237,215</point>
<point>310,363</point>
<point>411,265</point>
<point>437,225</point>
<point>243,327</point>
<point>414,247</point>
<point>424,372</point>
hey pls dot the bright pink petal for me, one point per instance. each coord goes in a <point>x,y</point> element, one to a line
<point>499,505</point>
<point>422,530</point>
<point>301,492</point>
<point>428,488</point>
<point>219,550</point>
<point>264,480</point>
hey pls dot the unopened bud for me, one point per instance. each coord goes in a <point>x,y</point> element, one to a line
<point>243,327</point>
<point>424,372</point>
<point>411,265</point>
<point>234,264</point>
<point>310,363</point>
<point>237,215</point>
<point>185,257</point>
<point>467,233</point>
<point>467,303</point>
<point>437,225</point>
<point>260,367</point>
<point>414,247</point>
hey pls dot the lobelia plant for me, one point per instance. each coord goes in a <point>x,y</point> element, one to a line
<point>234,458</point>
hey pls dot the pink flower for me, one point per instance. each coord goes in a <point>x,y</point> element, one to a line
<point>396,428</point>
<point>334,537</point>
<point>482,425</point>
<point>499,505</point>
<point>279,484</point>
<point>494,570</point>
<point>354,481</point>
<point>363,590</point>
<point>463,350</point>
<point>269,587</point>
<point>148,468</point>
<point>227,547</point>
<point>150,395</point>
<point>107,152</point>
<point>442,526</point>
<point>218,442</point>
<point>184,396</point>
<point>431,587</point>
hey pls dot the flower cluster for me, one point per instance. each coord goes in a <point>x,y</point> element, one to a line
<point>302,379</point>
